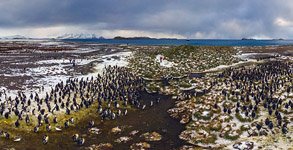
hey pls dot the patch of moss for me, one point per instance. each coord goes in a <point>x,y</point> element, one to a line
<point>233,138</point>
<point>243,128</point>
<point>209,139</point>
<point>240,118</point>
<point>185,85</point>
<point>199,115</point>
<point>216,126</point>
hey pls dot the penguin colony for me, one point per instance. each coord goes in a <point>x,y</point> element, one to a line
<point>239,102</point>
<point>113,91</point>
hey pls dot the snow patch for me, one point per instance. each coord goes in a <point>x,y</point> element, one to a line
<point>164,63</point>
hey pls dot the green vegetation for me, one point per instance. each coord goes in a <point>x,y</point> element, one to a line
<point>233,137</point>
<point>216,126</point>
<point>242,119</point>
<point>199,115</point>
<point>186,59</point>
<point>185,85</point>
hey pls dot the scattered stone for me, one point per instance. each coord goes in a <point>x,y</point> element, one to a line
<point>94,131</point>
<point>185,119</point>
<point>134,132</point>
<point>101,146</point>
<point>140,146</point>
<point>17,139</point>
<point>243,145</point>
<point>153,136</point>
<point>116,130</point>
<point>58,128</point>
<point>187,147</point>
<point>123,139</point>
<point>9,148</point>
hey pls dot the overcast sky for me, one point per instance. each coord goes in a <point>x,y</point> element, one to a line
<point>200,19</point>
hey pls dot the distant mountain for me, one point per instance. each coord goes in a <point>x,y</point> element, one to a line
<point>14,37</point>
<point>248,39</point>
<point>140,38</point>
<point>130,38</point>
<point>79,36</point>
<point>280,39</point>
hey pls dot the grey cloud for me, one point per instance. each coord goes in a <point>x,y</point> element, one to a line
<point>210,18</point>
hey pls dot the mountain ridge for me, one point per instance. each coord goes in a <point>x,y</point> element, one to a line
<point>79,36</point>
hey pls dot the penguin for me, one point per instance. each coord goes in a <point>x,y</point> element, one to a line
<point>91,124</point>
<point>36,129</point>
<point>143,107</point>
<point>45,139</point>
<point>267,121</point>
<point>6,115</point>
<point>48,127</point>
<point>258,126</point>
<point>46,119</point>
<point>75,137</point>
<point>125,112</point>
<point>55,120</point>
<point>80,141</point>
<point>229,111</point>
<point>113,116</point>
<point>271,125</point>
<point>17,124</point>
<point>67,111</point>
<point>284,130</point>
<point>225,110</point>
<point>27,119</point>
<point>237,110</point>
<point>66,124</point>
<point>253,115</point>
<point>40,118</point>
<point>215,106</point>
<point>119,112</point>
<point>71,120</point>
<point>151,103</point>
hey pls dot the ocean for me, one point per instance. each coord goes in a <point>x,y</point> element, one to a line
<point>209,42</point>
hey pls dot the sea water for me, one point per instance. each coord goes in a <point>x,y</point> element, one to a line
<point>209,42</point>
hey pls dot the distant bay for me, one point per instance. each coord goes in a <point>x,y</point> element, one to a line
<point>209,42</point>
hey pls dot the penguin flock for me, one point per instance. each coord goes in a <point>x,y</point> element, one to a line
<point>257,89</point>
<point>113,91</point>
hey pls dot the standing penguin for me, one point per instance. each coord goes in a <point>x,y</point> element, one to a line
<point>80,141</point>
<point>45,139</point>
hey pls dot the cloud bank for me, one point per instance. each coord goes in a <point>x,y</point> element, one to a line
<point>225,19</point>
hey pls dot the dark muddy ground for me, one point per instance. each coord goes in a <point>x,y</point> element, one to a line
<point>152,119</point>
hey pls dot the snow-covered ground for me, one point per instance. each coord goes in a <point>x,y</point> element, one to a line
<point>245,58</point>
<point>53,71</point>
<point>164,63</point>
<point>248,56</point>
<point>220,67</point>
<point>121,61</point>
<point>50,43</point>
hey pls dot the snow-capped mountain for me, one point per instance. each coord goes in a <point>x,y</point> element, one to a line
<point>14,37</point>
<point>78,36</point>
